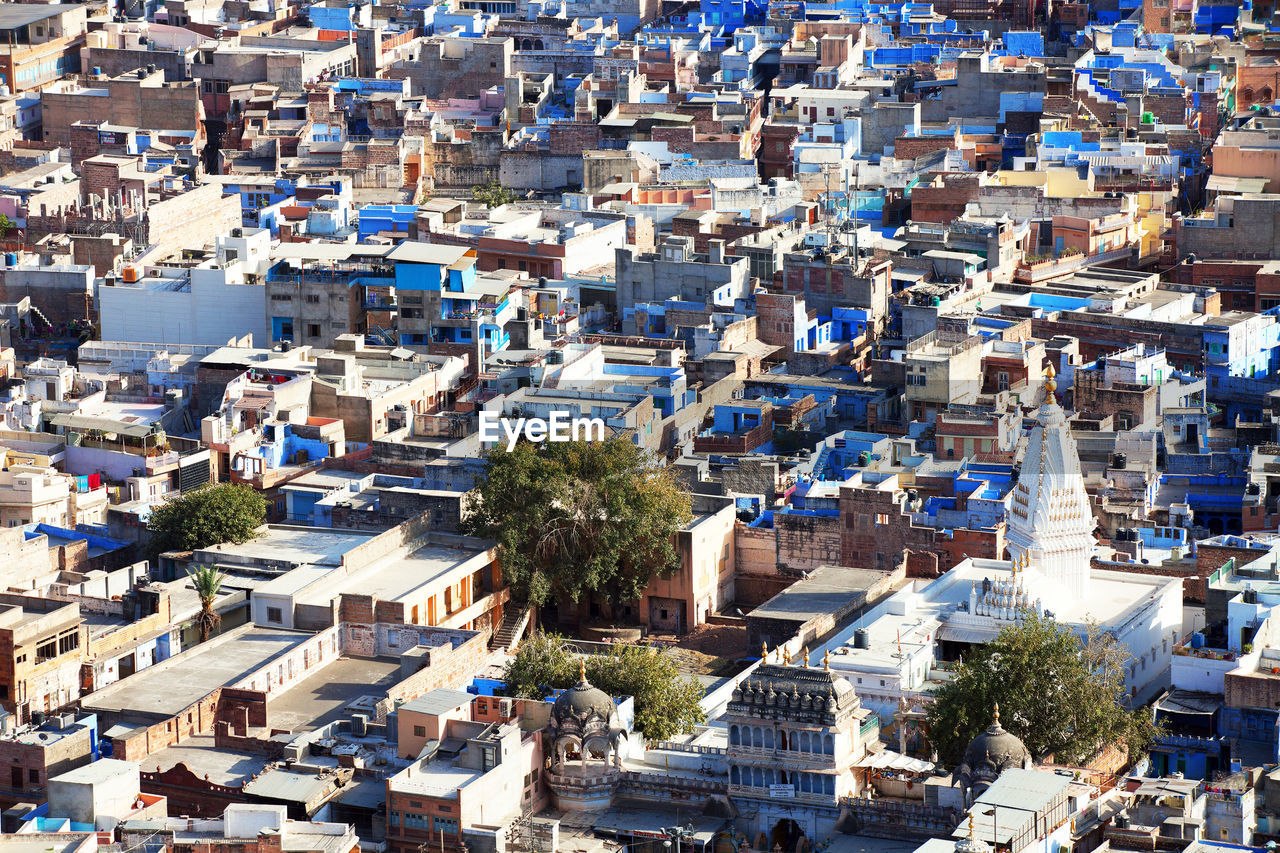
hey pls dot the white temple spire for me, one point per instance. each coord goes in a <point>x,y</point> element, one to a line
<point>1051,523</point>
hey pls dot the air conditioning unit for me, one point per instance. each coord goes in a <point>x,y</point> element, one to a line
<point>506,707</point>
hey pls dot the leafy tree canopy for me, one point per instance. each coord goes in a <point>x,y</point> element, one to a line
<point>1058,694</point>
<point>209,515</point>
<point>493,194</point>
<point>582,518</point>
<point>666,703</point>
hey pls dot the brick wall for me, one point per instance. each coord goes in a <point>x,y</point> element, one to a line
<point>1168,109</point>
<point>1193,582</point>
<point>755,549</point>
<point>142,742</point>
<point>570,139</point>
<point>875,532</point>
<point>912,147</point>
<point>188,794</point>
<point>40,762</point>
<point>945,203</point>
<point>776,313</point>
<point>446,666</point>
<point>806,542</point>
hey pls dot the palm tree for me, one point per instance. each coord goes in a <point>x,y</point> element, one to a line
<point>207,582</point>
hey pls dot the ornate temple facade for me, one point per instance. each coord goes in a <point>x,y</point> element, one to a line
<point>795,735</point>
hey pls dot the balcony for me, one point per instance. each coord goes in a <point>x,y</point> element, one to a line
<point>162,463</point>
<point>797,796</point>
<point>1225,655</point>
<point>758,755</point>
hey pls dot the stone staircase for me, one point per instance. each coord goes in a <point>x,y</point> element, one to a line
<point>514,622</point>
<point>41,319</point>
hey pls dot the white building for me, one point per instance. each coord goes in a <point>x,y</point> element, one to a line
<point>895,652</point>
<point>219,300</point>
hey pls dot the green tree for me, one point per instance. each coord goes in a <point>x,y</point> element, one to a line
<point>666,703</point>
<point>209,515</point>
<point>6,225</point>
<point>493,194</point>
<point>575,519</point>
<point>1057,693</point>
<point>207,582</point>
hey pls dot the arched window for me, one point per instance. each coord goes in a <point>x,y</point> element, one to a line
<point>537,44</point>
<point>734,775</point>
<point>829,783</point>
<point>828,745</point>
<point>1246,96</point>
<point>1265,96</point>
<point>768,738</point>
<point>733,735</point>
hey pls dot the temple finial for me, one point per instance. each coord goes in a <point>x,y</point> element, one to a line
<point>995,714</point>
<point>805,661</point>
<point>1050,384</point>
<point>826,660</point>
<point>786,656</point>
<point>764,652</point>
<point>582,668</point>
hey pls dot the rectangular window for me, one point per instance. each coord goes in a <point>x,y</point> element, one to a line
<point>275,614</point>
<point>446,825</point>
<point>313,298</point>
<point>419,731</point>
<point>313,330</point>
<point>47,651</point>
<point>68,643</point>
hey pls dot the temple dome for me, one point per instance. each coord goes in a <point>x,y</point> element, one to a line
<point>581,702</point>
<point>989,754</point>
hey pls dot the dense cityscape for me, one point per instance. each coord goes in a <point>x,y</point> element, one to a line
<point>646,426</point>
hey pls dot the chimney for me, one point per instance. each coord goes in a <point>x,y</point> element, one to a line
<point>715,248</point>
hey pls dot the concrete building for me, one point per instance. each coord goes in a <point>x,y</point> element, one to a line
<point>47,643</point>
<point>38,44</point>
<point>220,300</point>
<point>137,99</point>
<point>675,271</point>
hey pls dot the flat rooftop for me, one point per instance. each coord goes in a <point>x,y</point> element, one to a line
<point>199,755</point>
<point>324,696</point>
<point>45,842</point>
<point>296,545</point>
<point>924,607</point>
<point>394,578</point>
<point>173,685</point>
<point>14,15</point>
<point>828,589</point>
<point>432,779</point>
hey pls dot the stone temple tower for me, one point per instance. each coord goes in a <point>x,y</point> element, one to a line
<point>1050,528</point>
